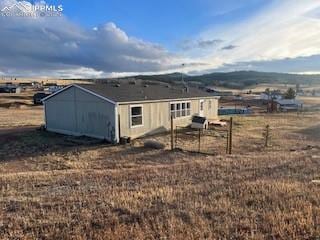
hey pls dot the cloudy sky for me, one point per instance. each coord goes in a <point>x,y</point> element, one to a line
<point>122,37</point>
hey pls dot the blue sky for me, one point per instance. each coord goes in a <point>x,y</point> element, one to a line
<point>165,22</point>
<point>115,38</point>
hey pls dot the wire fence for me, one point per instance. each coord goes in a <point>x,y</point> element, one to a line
<point>220,139</point>
<point>207,141</point>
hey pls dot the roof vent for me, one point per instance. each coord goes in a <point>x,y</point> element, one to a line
<point>117,85</point>
<point>133,82</point>
<point>167,86</point>
<point>146,85</point>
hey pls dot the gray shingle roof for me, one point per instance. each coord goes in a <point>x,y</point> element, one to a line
<point>128,92</point>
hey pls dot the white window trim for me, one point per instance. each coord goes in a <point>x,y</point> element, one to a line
<point>186,109</point>
<point>130,116</point>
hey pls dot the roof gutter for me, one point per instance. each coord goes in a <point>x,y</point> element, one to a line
<point>168,100</point>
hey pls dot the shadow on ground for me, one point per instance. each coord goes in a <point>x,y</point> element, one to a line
<point>14,146</point>
<point>312,133</point>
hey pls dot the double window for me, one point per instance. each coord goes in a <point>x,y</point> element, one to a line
<point>180,109</point>
<point>136,118</point>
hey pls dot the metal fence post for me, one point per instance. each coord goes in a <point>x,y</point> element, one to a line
<point>230,136</point>
<point>172,147</point>
<point>199,137</point>
<point>227,148</point>
<point>176,137</point>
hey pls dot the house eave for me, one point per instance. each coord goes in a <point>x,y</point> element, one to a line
<point>167,100</point>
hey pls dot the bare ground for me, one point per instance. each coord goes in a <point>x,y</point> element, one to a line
<point>58,187</point>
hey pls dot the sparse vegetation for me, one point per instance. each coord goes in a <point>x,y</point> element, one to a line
<point>290,94</point>
<point>57,187</point>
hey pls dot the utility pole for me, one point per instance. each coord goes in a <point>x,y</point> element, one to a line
<point>182,74</point>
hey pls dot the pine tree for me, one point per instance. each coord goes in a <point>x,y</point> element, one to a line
<point>290,94</point>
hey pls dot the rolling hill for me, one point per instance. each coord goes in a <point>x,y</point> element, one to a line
<point>239,79</point>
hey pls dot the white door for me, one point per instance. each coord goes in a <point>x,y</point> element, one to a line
<point>201,108</point>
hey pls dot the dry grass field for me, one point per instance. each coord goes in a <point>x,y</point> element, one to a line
<point>17,110</point>
<point>58,187</point>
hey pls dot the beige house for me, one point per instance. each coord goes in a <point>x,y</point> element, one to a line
<point>129,109</point>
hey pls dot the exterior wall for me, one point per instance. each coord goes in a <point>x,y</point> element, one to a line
<point>156,116</point>
<point>76,112</point>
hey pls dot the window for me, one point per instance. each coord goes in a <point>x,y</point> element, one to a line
<point>136,116</point>
<point>188,109</point>
<point>180,109</point>
<point>201,105</point>
<point>209,104</point>
<point>183,109</point>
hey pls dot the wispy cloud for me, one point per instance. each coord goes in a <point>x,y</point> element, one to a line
<point>286,29</point>
<point>229,47</point>
<point>200,44</point>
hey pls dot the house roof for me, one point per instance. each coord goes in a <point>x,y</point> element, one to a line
<point>134,92</point>
<point>289,102</point>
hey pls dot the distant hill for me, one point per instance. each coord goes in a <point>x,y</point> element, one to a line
<point>239,79</point>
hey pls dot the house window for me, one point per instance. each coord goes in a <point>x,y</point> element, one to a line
<point>136,116</point>
<point>180,109</point>
<point>201,105</point>
<point>183,109</point>
<point>209,104</point>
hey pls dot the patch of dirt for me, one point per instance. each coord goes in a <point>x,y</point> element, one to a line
<point>15,105</point>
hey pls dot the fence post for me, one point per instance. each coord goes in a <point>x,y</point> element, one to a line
<point>199,137</point>
<point>267,135</point>
<point>230,136</point>
<point>176,137</point>
<point>172,147</point>
<point>227,148</point>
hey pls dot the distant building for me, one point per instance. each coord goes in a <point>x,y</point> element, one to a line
<point>286,105</point>
<point>215,92</point>
<point>275,95</point>
<point>238,98</point>
<point>53,89</point>
<point>10,89</point>
<point>233,110</point>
